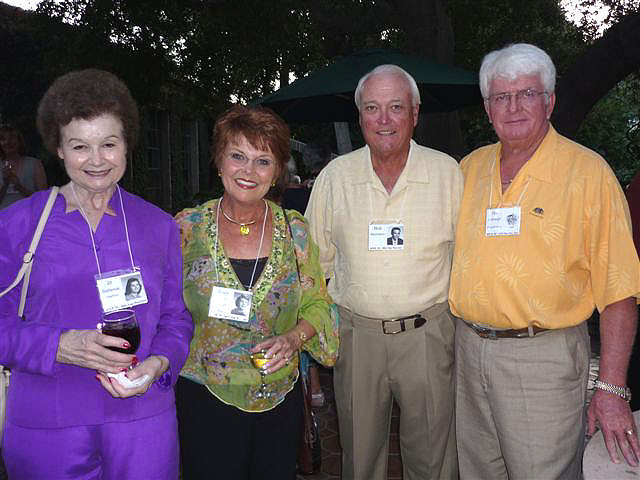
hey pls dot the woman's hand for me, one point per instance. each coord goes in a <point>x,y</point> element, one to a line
<point>153,366</point>
<point>280,350</point>
<point>87,348</point>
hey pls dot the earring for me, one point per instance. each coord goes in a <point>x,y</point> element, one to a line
<point>219,173</point>
<point>273,184</point>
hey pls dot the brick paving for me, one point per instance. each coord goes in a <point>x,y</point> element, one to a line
<point>329,440</point>
<point>328,429</point>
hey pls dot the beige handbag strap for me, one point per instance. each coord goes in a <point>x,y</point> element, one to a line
<point>27,259</point>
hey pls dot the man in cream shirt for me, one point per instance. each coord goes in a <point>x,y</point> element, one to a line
<point>396,332</point>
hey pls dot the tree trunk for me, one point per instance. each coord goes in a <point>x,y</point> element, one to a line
<point>610,59</point>
<point>430,34</point>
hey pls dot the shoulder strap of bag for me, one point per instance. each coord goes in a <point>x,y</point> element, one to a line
<point>27,259</point>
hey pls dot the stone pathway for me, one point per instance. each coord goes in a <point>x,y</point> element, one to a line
<point>328,428</point>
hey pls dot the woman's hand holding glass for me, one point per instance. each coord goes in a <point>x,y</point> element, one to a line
<point>92,349</point>
<point>280,350</point>
<point>89,349</point>
<point>9,174</point>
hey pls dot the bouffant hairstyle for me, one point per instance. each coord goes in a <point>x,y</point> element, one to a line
<point>262,128</point>
<point>86,94</point>
<point>6,129</point>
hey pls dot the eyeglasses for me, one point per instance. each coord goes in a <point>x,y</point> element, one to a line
<point>527,97</point>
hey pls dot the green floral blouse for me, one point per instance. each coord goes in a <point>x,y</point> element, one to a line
<point>219,355</point>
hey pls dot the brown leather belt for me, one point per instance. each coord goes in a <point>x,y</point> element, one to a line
<point>486,332</point>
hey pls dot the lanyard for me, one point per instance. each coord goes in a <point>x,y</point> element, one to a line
<point>526,186</point>
<point>404,197</point>
<point>215,245</point>
<point>93,243</point>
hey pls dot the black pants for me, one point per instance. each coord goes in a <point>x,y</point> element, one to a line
<point>3,471</point>
<point>219,441</point>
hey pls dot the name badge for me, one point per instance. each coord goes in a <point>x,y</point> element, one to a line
<point>230,304</point>
<point>120,289</point>
<point>503,221</point>
<point>386,236</point>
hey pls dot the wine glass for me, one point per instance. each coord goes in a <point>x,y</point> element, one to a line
<point>259,360</point>
<point>122,324</point>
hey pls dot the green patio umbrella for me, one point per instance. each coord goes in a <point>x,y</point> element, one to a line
<point>326,95</point>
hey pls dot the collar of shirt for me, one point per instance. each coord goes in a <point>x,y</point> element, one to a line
<point>540,166</point>
<point>363,173</point>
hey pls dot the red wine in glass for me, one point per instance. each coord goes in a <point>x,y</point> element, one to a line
<point>122,324</point>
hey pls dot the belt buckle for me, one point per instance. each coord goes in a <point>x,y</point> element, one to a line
<point>399,322</point>
<point>484,332</point>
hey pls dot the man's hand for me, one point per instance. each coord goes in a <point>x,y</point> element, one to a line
<point>613,415</point>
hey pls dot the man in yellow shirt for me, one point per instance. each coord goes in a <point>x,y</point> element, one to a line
<point>543,237</point>
<point>396,331</point>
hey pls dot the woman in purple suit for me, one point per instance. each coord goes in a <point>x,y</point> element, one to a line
<point>68,415</point>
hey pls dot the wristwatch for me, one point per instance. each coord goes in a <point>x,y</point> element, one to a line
<point>623,392</point>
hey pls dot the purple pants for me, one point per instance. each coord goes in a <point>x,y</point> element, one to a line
<point>142,449</point>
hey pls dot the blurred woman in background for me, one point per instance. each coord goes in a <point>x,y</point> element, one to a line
<point>21,175</point>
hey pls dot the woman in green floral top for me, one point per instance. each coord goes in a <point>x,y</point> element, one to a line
<point>239,247</point>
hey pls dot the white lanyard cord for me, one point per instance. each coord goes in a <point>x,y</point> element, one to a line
<point>93,243</point>
<point>126,229</point>
<point>404,198</point>
<point>86,219</point>
<point>215,246</point>
<point>526,186</point>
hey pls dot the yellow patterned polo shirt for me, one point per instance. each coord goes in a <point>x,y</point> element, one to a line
<point>574,251</point>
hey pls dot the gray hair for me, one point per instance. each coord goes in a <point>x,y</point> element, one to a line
<point>515,60</point>
<point>391,70</point>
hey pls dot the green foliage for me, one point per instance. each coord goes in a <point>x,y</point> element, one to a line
<point>612,128</point>
<point>195,56</point>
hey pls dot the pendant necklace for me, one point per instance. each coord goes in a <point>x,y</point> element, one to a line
<point>244,226</point>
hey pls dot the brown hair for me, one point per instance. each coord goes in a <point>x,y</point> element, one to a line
<point>86,94</point>
<point>6,128</point>
<point>262,128</point>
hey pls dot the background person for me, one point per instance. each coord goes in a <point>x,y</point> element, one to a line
<point>396,333</point>
<point>21,175</point>
<point>296,197</point>
<point>65,417</point>
<point>524,293</point>
<point>245,243</point>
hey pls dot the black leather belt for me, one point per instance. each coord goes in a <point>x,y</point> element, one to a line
<point>391,327</point>
<point>486,332</point>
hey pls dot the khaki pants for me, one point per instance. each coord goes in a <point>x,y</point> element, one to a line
<point>520,404</point>
<point>416,369</point>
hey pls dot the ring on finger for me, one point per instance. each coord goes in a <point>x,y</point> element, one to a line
<point>629,431</point>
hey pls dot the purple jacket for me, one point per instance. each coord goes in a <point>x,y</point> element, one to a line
<point>63,295</point>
